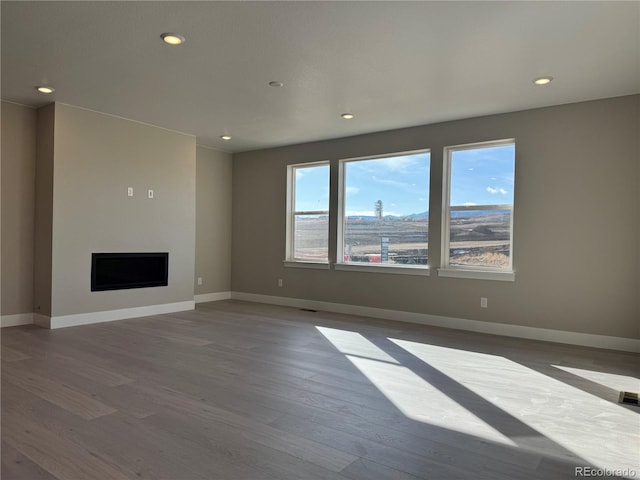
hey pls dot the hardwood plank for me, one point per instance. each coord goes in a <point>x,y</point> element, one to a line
<point>428,441</point>
<point>364,469</point>
<point>58,394</point>
<point>16,466</point>
<point>133,446</point>
<point>163,334</point>
<point>449,463</point>
<point>64,363</point>
<point>99,388</point>
<point>9,354</point>
<point>94,372</point>
<point>235,443</point>
<point>61,458</point>
<point>310,451</point>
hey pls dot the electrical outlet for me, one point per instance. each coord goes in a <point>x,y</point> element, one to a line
<point>129,191</point>
<point>199,280</point>
<point>150,193</point>
<point>483,302</point>
<point>280,282</point>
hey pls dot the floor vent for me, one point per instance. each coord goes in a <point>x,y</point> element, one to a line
<point>628,398</point>
<point>312,310</point>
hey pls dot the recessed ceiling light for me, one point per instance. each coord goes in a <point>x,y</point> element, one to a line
<point>225,137</point>
<point>276,84</point>
<point>46,90</point>
<point>543,80</point>
<point>347,116</point>
<point>172,38</point>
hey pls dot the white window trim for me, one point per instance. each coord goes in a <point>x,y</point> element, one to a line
<point>471,272</point>
<point>478,273</point>
<point>381,268</point>
<point>290,260</point>
<point>306,264</point>
<point>340,264</point>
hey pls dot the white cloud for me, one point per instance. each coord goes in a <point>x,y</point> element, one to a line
<point>469,204</point>
<point>392,183</point>
<point>494,191</point>
<point>397,163</point>
<point>352,190</point>
<point>299,174</point>
<point>400,164</point>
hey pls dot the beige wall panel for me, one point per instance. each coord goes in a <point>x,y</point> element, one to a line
<point>44,209</point>
<point>18,209</point>
<point>213,220</point>
<point>576,222</point>
<point>97,157</point>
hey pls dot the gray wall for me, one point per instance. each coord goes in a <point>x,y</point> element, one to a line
<point>18,176</point>
<point>96,157</point>
<point>44,210</point>
<point>576,222</point>
<point>213,220</point>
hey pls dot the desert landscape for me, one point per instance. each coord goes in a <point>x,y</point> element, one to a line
<point>477,238</point>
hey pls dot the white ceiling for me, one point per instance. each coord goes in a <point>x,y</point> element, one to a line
<point>392,64</point>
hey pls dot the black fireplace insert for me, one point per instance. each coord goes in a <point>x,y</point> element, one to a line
<point>118,271</point>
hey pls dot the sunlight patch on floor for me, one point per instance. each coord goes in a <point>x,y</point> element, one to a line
<point>352,343</point>
<point>411,394</point>
<point>599,431</point>
<point>611,380</point>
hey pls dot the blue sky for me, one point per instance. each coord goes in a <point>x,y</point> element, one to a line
<point>480,176</point>
<point>312,188</point>
<point>402,183</point>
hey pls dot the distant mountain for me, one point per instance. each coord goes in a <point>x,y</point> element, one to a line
<point>477,213</point>
<point>416,216</point>
<point>425,215</point>
<point>362,217</point>
<point>413,216</point>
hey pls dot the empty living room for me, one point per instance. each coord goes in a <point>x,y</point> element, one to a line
<point>320,240</point>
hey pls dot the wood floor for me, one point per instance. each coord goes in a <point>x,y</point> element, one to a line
<point>236,390</point>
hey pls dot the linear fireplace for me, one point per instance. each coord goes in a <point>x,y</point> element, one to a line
<point>118,271</point>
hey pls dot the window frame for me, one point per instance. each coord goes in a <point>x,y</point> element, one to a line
<point>471,271</point>
<point>340,264</point>
<point>291,213</point>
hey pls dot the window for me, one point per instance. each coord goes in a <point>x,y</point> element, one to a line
<point>477,233</point>
<point>308,213</point>
<point>384,211</point>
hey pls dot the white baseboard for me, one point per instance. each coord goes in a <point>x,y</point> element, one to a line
<point>15,320</point>
<point>212,297</point>
<point>111,315</point>
<point>519,331</point>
